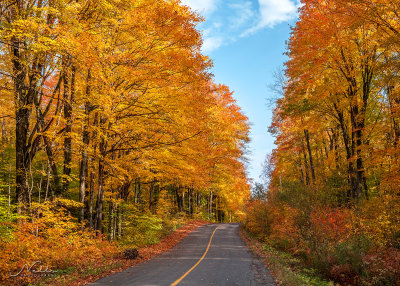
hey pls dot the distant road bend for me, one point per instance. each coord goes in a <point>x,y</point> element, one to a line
<point>211,255</point>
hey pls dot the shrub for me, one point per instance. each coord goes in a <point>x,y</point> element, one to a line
<point>141,228</point>
<point>382,267</point>
<point>50,235</point>
<point>258,221</point>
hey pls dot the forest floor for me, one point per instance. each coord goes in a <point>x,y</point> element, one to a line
<point>286,269</point>
<point>84,276</point>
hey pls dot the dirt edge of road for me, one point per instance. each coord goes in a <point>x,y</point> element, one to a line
<point>257,248</point>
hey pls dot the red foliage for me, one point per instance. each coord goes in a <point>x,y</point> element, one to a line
<point>344,274</point>
<point>332,224</point>
<point>383,266</point>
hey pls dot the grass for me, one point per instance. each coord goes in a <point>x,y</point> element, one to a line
<point>286,269</point>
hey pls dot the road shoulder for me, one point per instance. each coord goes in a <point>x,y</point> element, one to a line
<point>286,269</point>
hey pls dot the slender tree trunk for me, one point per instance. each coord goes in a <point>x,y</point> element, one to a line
<point>356,149</point>
<point>55,187</point>
<point>119,215</point>
<point>48,181</point>
<point>189,205</point>
<point>83,173</point>
<point>307,137</point>
<point>179,199</point>
<point>218,214</point>
<point>210,211</point>
<point>85,141</point>
<point>367,76</point>
<point>92,175</point>
<point>136,192</point>
<point>394,105</point>
<point>183,200</point>
<point>22,115</point>
<point>336,146</point>
<point>111,220</point>
<point>69,94</point>
<point>100,192</point>
<point>151,191</point>
<point>9,191</point>
<point>139,191</point>
<point>198,200</point>
<point>100,196</point>
<point>3,131</point>
<point>301,170</point>
<point>349,153</point>
<point>91,198</point>
<point>306,165</point>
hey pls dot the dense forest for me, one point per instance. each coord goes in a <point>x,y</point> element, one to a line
<point>112,129</point>
<point>114,134</point>
<point>333,195</point>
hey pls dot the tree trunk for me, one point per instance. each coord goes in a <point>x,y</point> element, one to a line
<point>9,191</point>
<point>336,146</point>
<point>394,105</point>
<point>179,199</point>
<point>100,191</point>
<point>307,137</point>
<point>111,220</point>
<point>198,200</point>
<point>3,131</point>
<point>306,165</point>
<point>100,195</point>
<point>85,141</point>
<point>349,154</point>
<point>55,188</point>
<point>151,191</point>
<point>119,216</point>
<point>91,198</point>
<point>22,115</point>
<point>189,201</point>
<point>210,210</point>
<point>69,94</point>
<point>138,191</point>
<point>301,170</point>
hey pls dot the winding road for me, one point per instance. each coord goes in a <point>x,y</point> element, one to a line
<point>213,254</point>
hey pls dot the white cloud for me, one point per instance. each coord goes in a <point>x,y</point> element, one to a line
<point>242,14</point>
<point>273,12</point>
<point>224,28</point>
<point>227,21</point>
<point>213,27</point>
<point>212,43</point>
<point>202,6</point>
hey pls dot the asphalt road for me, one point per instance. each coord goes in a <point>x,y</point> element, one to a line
<point>227,261</point>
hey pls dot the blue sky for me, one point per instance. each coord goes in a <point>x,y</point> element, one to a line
<point>246,41</point>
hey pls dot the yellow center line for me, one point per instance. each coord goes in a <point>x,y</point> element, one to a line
<point>198,262</point>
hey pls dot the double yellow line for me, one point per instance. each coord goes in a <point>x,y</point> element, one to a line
<point>198,262</point>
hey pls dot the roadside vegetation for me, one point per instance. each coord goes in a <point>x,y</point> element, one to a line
<point>287,269</point>
<point>332,197</point>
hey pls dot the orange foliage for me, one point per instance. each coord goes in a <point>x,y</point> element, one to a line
<point>52,237</point>
<point>331,225</point>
